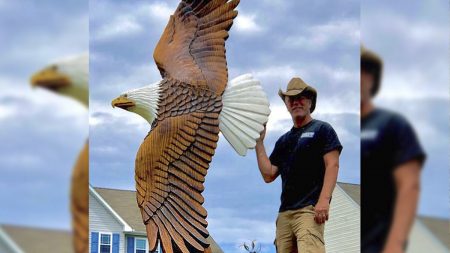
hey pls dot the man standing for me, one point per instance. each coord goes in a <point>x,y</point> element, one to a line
<point>391,161</point>
<point>307,158</point>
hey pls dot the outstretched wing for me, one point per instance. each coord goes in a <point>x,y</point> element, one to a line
<point>171,166</point>
<point>192,47</point>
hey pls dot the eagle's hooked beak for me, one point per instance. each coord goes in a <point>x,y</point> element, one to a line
<point>50,79</point>
<point>122,102</point>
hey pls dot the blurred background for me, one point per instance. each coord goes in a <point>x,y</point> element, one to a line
<point>41,133</point>
<point>412,38</point>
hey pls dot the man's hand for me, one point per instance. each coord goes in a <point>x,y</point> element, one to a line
<point>262,135</point>
<point>322,211</point>
<point>393,248</point>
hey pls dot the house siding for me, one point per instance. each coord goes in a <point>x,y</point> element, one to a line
<point>101,220</point>
<point>342,231</point>
<point>422,240</point>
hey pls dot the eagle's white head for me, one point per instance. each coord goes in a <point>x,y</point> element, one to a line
<point>142,101</point>
<point>69,77</point>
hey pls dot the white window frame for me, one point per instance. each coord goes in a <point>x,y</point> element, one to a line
<point>146,244</point>
<point>100,240</point>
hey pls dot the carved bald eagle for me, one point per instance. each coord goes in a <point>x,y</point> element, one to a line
<point>186,110</point>
<point>70,77</point>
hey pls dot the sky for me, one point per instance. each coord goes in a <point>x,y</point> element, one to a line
<point>274,40</point>
<point>412,38</point>
<point>41,133</point>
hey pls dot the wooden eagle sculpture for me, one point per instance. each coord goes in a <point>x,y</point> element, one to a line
<point>70,77</point>
<point>186,110</point>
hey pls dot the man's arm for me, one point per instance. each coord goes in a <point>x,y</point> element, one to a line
<point>322,207</point>
<point>268,171</point>
<point>407,183</point>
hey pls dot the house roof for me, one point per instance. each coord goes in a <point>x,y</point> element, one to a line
<point>39,240</point>
<point>123,202</point>
<point>125,205</point>
<point>352,190</point>
<point>439,227</point>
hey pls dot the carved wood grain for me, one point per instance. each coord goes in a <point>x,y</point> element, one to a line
<point>174,158</point>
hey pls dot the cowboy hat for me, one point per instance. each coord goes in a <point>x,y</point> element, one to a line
<point>297,86</point>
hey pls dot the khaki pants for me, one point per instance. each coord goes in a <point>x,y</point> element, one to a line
<point>298,232</point>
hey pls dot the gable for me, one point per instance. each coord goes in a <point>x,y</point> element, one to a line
<point>342,231</point>
<point>124,203</point>
<point>101,219</point>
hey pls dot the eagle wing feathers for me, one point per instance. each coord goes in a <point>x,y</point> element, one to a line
<point>192,47</point>
<point>171,166</point>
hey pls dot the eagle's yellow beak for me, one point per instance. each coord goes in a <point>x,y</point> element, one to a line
<point>50,78</point>
<point>122,102</point>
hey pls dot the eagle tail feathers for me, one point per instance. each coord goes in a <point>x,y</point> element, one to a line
<point>244,113</point>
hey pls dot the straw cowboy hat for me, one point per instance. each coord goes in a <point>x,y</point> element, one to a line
<point>297,86</point>
<point>373,63</point>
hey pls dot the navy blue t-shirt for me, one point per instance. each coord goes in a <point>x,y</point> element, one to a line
<point>387,141</point>
<point>298,154</point>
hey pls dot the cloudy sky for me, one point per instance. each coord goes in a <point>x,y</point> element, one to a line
<point>274,40</point>
<point>41,133</point>
<point>412,38</point>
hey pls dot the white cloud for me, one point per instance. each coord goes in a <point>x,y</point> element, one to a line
<point>129,19</point>
<point>160,11</point>
<point>128,77</point>
<point>246,23</point>
<point>339,79</point>
<point>117,116</point>
<point>39,100</point>
<point>120,26</point>
<point>73,38</point>
<point>414,53</point>
<point>339,74</point>
<point>27,162</point>
<point>279,119</point>
<point>282,72</point>
<point>318,37</point>
<point>412,83</point>
<point>6,112</point>
<point>393,26</point>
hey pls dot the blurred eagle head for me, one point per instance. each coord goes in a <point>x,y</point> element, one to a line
<point>69,77</point>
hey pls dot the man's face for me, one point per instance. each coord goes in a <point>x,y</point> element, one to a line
<point>367,82</point>
<point>298,106</point>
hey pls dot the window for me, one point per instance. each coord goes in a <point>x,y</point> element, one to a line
<point>105,243</point>
<point>141,245</point>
